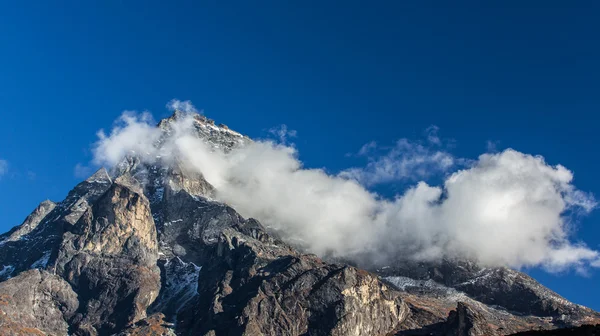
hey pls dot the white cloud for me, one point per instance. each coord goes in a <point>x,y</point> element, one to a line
<point>506,208</point>
<point>3,167</point>
<point>132,134</point>
<point>283,133</point>
<point>184,106</point>
<point>407,160</point>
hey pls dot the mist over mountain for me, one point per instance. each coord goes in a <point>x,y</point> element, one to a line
<point>507,208</point>
<point>190,228</point>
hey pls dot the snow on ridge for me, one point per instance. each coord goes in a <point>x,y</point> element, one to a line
<point>402,282</point>
<point>405,284</point>
<point>217,128</point>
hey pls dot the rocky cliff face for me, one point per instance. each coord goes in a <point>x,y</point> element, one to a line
<point>109,257</point>
<point>146,250</point>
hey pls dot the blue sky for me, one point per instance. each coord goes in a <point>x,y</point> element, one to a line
<point>341,74</point>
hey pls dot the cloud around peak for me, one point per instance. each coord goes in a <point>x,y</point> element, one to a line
<point>503,208</point>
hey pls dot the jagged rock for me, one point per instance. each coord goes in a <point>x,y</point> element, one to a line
<point>43,241</point>
<point>109,256</point>
<point>465,321</point>
<point>253,291</point>
<point>36,303</point>
<point>30,223</point>
<point>182,178</point>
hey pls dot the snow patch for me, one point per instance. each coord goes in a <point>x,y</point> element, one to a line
<point>408,284</point>
<point>181,284</point>
<point>173,222</point>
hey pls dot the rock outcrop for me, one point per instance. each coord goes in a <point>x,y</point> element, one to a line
<point>465,321</point>
<point>109,256</point>
<point>36,303</point>
<point>30,223</point>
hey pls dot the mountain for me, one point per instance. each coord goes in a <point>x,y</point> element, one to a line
<point>147,249</point>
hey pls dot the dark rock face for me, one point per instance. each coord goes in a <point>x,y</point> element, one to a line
<point>147,251</point>
<point>255,291</point>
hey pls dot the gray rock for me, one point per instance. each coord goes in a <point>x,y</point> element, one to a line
<point>36,302</point>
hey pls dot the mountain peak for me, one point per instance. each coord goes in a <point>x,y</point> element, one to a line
<point>100,176</point>
<point>179,115</point>
<point>182,114</point>
<point>218,136</point>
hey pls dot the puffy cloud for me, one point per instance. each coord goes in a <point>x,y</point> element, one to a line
<point>506,208</point>
<point>132,134</point>
<point>509,208</point>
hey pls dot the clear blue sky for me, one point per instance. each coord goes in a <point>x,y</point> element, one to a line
<point>341,74</point>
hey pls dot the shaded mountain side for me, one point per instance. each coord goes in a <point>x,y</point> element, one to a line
<point>497,286</point>
<point>585,330</point>
<point>147,250</point>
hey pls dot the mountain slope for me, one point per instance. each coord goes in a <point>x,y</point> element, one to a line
<point>146,249</point>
